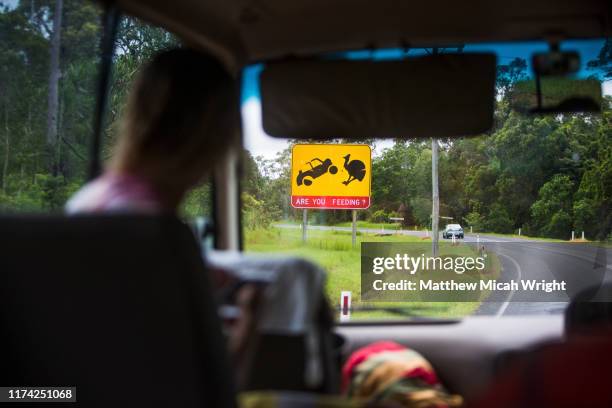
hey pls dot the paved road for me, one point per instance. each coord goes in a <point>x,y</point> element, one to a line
<point>580,265</point>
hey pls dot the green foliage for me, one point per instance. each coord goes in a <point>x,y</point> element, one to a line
<point>197,203</point>
<point>551,212</point>
<point>476,221</point>
<point>254,212</point>
<point>379,216</point>
<point>498,220</point>
<point>44,193</point>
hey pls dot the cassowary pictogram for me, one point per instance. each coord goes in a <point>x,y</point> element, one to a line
<point>355,168</point>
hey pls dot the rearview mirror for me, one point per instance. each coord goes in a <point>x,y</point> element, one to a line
<point>556,63</point>
<point>558,95</point>
<point>552,90</point>
<point>445,95</point>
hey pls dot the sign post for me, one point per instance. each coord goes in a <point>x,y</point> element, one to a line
<point>354,235</point>
<point>304,225</point>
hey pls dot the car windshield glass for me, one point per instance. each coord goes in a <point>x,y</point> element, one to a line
<point>529,196</point>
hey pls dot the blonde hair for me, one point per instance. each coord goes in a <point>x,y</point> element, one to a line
<point>181,115</point>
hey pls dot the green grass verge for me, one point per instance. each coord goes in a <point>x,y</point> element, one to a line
<point>333,251</point>
<point>371,225</point>
<point>526,237</point>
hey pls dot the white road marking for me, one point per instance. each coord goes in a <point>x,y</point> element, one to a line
<point>504,306</point>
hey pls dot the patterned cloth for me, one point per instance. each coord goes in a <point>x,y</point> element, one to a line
<point>116,193</point>
<point>268,399</point>
<point>387,372</point>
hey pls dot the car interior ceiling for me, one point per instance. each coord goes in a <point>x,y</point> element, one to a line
<point>181,328</point>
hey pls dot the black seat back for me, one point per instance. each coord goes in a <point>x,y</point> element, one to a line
<point>118,306</point>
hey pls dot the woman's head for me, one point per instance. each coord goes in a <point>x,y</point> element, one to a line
<point>180,119</point>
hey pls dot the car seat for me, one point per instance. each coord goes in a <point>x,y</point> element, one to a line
<point>118,306</point>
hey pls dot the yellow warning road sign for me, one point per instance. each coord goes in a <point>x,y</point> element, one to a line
<point>333,176</point>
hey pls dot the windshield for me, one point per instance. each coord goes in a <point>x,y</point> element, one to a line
<point>530,195</point>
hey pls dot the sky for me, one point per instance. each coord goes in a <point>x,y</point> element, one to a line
<point>11,3</point>
<point>261,144</point>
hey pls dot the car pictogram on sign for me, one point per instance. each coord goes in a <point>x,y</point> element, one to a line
<point>306,177</point>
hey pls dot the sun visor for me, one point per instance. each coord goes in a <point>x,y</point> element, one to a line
<point>441,96</point>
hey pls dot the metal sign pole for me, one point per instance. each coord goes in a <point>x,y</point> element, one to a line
<point>354,228</point>
<point>304,224</point>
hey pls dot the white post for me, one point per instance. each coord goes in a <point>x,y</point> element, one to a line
<point>519,232</point>
<point>471,230</point>
<point>583,235</point>
<point>572,235</point>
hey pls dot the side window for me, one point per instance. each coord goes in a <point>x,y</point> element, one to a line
<point>49,61</point>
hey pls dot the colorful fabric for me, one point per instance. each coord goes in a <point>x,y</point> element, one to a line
<point>268,399</point>
<point>387,372</point>
<point>116,193</point>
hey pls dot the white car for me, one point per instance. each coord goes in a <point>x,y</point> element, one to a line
<point>452,229</point>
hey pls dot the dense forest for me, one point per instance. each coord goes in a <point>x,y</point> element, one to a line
<point>545,174</point>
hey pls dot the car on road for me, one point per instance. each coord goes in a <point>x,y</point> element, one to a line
<point>452,229</point>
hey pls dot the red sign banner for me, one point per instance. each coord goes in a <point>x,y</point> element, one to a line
<point>330,202</point>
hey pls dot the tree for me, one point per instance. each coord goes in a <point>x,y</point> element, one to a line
<point>603,62</point>
<point>54,77</point>
<point>552,211</point>
<point>509,74</point>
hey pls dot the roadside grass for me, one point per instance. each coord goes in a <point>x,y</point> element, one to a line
<point>526,237</point>
<point>396,227</point>
<point>360,224</point>
<point>371,225</point>
<point>334,252</point>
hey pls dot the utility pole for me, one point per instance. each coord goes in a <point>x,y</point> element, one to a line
<point>435,194</point>
<point>435,197</point>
